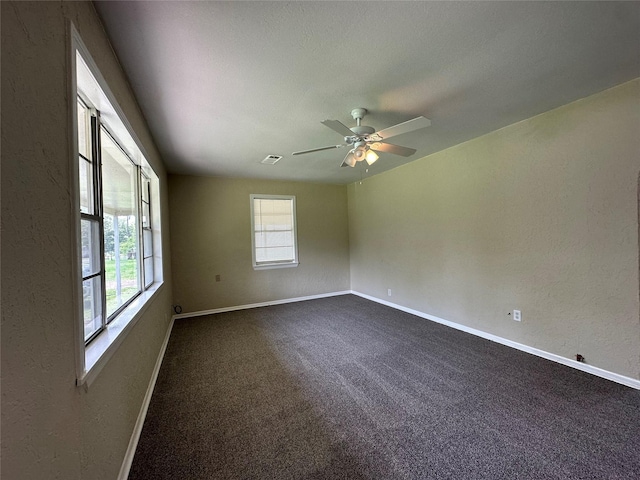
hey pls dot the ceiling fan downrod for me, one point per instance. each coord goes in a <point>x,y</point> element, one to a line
<point>358,114</point>
<point>360,130</point>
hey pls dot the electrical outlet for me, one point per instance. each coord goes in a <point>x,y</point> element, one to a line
<point>517,315</point>
<point>217,278</point>
<point>389,292</point>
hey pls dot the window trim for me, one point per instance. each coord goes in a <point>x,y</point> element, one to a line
<point>275,264</point>
<point>91,358</point>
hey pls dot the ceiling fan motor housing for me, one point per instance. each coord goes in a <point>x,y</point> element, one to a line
<point>360,130</point>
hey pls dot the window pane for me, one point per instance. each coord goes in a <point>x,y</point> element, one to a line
<point>145,184</point>
<point>120,225</point>
<point>147,237</point>
<point>145,189</point>
<point>86,186</point>
<point>148,271</point>
<point>274,254</point>
<point>277,221</point>
<point>84,139</point>
<point>274,247</point>
<point>92,305</point>
<point>285,253</point>
<point>260,240</point>
<point>146,215</point>
<point>121,264</point>
<point>279,239</point>
<point>261,255</point>
<point>90,247</point>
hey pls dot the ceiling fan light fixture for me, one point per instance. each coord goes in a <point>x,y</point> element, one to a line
<point>371,157</point>
<point>349,160</point>
<point>360,151</point>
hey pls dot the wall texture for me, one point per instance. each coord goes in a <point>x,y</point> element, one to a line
<point>541,216</point>
<point>211,235</point>
<point>51,428</point>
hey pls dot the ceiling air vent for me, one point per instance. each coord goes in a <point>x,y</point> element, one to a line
<point>271,159</point>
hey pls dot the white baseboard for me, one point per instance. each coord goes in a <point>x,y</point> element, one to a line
<point>615,377</point>
<point>261,304</point>
<point>137,429</point>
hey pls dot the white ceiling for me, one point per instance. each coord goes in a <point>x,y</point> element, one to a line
<point>224,84</point>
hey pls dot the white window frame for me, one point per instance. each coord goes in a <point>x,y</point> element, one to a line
<point>276,264</point>
<point>86,81</point>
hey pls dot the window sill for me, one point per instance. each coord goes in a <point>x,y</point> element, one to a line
<point>268,266</point>
<point>101,349</point>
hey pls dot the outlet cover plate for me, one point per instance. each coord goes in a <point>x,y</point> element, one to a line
<point>517,315</point>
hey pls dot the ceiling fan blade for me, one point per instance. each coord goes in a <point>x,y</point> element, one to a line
<point>349,160</point>
<point>404,127</point>
<point>339,127</point>
<point>318,149</point>
<point>391,148</point>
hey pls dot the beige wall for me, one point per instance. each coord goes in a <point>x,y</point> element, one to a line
<point>51,428</point>
<point>540,216</point>
<point>211,235</point>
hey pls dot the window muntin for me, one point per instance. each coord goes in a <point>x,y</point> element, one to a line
<point>273,225</point>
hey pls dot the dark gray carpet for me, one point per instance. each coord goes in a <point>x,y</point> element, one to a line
<point>346,388</point>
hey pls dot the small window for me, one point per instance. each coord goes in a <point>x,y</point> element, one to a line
<point>273,226</point>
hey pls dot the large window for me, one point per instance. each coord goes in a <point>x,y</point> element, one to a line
<point>118,210</point>
<point>273,223</point>
<point>117,241</point>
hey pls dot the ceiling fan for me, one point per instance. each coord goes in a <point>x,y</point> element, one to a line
<point>365,141</point>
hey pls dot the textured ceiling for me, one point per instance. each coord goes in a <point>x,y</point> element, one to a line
<point>224,84</point>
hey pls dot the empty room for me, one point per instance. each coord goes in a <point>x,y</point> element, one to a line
<point>320,240</point>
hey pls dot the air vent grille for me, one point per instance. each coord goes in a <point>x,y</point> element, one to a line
<point>271,159</point>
